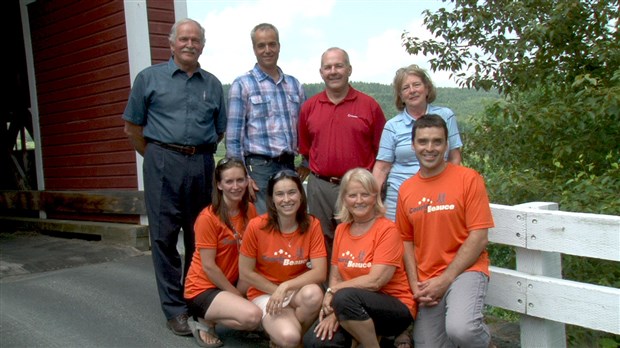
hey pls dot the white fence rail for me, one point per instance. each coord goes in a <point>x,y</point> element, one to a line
<point>540,234</point>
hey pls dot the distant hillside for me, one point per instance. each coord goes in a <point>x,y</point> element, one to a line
<point>464,102</point>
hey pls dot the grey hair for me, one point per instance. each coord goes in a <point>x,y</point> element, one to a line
<point>346,55</point>
<point>173,32</point>
<point>264,26</point>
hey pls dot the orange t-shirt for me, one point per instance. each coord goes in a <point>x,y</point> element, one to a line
<point>280,257</point>
<point>211,233</point>
<point>381,245</point>
<point>437,214</point>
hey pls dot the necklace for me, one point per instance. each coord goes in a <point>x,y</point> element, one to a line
<point>237,237</point>
<point>290,240</point>
<point>291,229</point>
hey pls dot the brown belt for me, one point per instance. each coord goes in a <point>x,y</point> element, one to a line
<point>187,149</point>
<point>285,158</point>
<point>330,179</point>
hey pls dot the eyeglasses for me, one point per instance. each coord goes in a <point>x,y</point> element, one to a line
<point>226,160</point>
<point>286,173</point>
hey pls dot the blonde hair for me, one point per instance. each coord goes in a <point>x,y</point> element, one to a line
<point>368,182</point>
<point>400,76</point>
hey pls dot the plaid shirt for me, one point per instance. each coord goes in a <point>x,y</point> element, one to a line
<point>263,114</point>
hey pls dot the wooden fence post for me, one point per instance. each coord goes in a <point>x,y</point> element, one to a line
<point>537,332</point>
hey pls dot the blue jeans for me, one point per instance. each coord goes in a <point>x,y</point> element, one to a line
<point>261,169</point>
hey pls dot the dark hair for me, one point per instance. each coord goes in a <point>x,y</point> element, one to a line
<point>428,121</point>
<point>415,70</point>
<point>302,217</point>
<point>218,206</point>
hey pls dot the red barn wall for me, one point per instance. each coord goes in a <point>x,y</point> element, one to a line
<point>161,19</point>
<point>83,81</point>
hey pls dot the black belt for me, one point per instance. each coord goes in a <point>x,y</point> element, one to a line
<point>187,149</point>
<point>285,158</point>
<point>330,179</point>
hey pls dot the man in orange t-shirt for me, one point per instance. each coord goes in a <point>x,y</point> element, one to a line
<point>443,214</point>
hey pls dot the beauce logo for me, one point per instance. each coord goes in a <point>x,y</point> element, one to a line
<point>284,258</point>
<point>426,205</point>
<point>349,260</point>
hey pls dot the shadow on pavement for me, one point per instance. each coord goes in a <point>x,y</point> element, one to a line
<point>57,292</point>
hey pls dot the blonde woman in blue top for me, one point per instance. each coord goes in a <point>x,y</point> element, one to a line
<point>396,161</point>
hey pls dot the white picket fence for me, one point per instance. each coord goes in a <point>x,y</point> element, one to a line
<point>540,234</point>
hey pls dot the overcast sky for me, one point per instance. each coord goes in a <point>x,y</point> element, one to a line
<point>369,30</point>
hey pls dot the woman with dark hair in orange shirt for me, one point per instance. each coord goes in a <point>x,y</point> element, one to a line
<point>284,260</point>
<point>212,290</point>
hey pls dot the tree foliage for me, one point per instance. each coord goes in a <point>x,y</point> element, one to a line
<point>517,45</point>
<point>547,146</point>
<point>464,102</point>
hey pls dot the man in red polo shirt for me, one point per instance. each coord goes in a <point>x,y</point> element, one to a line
<point>339,129</point>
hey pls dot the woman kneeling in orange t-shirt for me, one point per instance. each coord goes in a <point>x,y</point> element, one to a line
<point>212,290</point>
<point>283,258</point>
<point>368,294</point>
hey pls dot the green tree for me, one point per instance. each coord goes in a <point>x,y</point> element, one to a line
<point>555,133</point>
<point>518,45</point>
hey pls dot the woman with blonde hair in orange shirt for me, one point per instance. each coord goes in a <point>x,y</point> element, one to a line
<point>368,295</point>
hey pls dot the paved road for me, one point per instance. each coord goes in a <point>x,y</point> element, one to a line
<point>57,292</point>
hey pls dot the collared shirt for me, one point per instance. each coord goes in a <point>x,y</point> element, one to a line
<point>339,137</point>
<point>395,146</point>
<point>175,108</point>
<point>263,114</point>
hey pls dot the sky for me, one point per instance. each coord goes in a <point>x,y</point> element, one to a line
<point>369,30</point>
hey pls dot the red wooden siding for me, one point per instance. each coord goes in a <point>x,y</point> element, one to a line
<point>161,19</point>
<point>82,74</point>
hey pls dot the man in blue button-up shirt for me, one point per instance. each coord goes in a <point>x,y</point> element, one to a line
<point>175,117</point>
